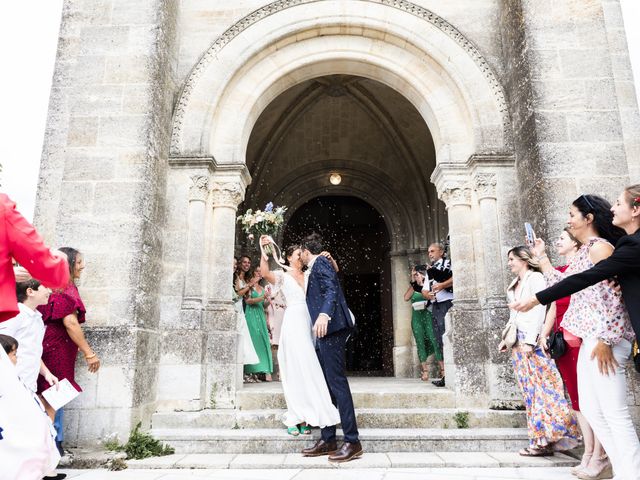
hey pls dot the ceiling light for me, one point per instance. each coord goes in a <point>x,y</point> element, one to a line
<point>335,179</point>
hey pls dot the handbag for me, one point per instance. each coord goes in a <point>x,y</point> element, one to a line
<point>509,335</point>
<point>636,356</point>
<point>556,344</point>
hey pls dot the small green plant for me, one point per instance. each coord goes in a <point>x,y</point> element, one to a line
<point>112,444</point>
<point>140,445</point>
<point>461,419</point>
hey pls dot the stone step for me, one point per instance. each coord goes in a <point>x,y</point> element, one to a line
<point>268,441</point>
<point>366,392</point>
<point>368,460</point>
<point>367,418</point>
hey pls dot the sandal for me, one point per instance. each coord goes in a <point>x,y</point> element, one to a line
<point>293,431</point>
<point>305,429</point>
<point>536,452</point>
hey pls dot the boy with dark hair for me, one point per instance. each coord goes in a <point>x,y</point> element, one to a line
<point>28,329</point>
<point>10,346</point>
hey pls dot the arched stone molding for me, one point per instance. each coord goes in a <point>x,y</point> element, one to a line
<point>397,43</point>
<point>374,109</point>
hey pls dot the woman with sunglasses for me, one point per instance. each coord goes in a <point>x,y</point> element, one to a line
<point>597,315</point>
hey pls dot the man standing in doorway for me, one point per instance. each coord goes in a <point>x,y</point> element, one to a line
<point>439,289</point>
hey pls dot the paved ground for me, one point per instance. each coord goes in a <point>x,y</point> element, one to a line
<point>533,473</point>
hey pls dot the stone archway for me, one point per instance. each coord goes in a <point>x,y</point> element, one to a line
<point>427,61</point>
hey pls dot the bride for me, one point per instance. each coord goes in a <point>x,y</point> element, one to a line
<point>303,383</point>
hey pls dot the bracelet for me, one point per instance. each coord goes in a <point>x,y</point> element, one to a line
<point>89,357</point>
<point>544,255</point>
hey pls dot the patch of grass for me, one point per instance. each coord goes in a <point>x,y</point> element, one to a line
<point>461,419</point>
<point>140,445</point>
<point>112,445</point>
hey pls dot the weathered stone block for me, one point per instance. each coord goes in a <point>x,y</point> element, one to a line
<point>123,131</point>
<point>115,386</point>
<point>104,40</point>
<point>82,131</point>
<point>594,126</point>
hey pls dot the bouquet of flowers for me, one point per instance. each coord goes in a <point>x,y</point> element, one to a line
<point>267,222</point>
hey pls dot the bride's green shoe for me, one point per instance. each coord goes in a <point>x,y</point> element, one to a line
<point>305,429</point>
<point>293,431</point>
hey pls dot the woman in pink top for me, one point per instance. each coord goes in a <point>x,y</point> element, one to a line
<point>597,315</point>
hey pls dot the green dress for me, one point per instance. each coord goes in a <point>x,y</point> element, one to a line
<point>257,323</point>
<point>422,327</point>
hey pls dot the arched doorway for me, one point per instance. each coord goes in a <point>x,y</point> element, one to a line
<point>428,63</point>
<point>356,235</point>
<point>381,148</point>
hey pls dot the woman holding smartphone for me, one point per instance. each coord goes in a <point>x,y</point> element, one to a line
<point>600,319</point>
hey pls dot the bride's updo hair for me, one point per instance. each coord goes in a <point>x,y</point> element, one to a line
<point>289,251</point>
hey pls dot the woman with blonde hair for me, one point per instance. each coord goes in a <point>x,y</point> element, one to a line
<point>550,422</point>
<point>597,315</point>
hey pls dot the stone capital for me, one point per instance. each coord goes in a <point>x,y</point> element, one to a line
<point>226,194</point>
<point>199,189</point>
<point>455,194</point>
<point>485,185</point>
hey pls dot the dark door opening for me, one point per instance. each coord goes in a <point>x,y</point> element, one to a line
<point>356,235</point>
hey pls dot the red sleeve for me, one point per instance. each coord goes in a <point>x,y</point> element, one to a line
<point>60,305</point>
<point>28,248</point>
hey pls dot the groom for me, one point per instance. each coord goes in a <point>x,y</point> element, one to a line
<point>332,325</point>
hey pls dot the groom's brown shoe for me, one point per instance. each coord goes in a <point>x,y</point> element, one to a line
<point>320,448</point>
<point>347,452</point>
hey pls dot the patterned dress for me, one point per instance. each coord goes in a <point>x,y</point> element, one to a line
<point>550,420</point>
<point>59,352</point>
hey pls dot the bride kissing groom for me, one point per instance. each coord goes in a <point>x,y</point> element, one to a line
<point>313,382</point>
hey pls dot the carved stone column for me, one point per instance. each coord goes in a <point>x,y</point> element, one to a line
<point>194,275</point>
<point>403,364</point>
<point>223,371</point>
<point>465,345</point>
<point>457,197</point>
<point>485,187</point>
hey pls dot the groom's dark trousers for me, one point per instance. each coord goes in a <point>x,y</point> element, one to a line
<point>324,295</point>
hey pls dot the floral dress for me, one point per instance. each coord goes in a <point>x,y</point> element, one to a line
<point>550,420</point>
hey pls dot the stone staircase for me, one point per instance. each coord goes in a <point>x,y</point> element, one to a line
<point>394,415</point>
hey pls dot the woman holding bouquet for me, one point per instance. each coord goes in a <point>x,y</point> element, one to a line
<point>303,383</point>
<point>257,323</point>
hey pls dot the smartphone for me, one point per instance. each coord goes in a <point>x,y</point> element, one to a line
<point>530,235</point>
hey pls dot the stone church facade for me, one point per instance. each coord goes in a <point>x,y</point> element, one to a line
<point>462,117</point>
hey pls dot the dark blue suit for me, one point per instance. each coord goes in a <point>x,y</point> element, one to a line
<point>324,295</point>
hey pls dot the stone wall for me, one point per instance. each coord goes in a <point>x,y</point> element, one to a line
<point>108,187</point>
<point>101,190</point>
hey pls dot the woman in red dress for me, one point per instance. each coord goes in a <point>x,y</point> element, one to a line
<point>567,246</point>
<point>63,336</point>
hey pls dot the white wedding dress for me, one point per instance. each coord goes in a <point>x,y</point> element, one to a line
<point>303,383</point>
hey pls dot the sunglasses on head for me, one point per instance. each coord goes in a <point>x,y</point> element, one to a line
<point>589,204</point>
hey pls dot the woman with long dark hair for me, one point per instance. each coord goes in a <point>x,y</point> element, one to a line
<point>568,246</point>
<point>550,422</point>
<point>597,315</point>
<point>63,337</point>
